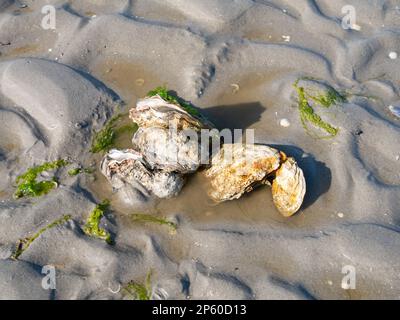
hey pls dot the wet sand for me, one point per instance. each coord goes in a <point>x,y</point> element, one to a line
<point>237,62</point>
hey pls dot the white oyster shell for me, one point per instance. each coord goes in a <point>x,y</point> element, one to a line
<point>168,136</point>
<point>129,167</point>
<point>288,188</point>
<point>169,150</point>
<point>237,168</point>
<point>156,112</point>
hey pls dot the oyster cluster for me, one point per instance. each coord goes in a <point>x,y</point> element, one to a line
<point>167,146</point>
<point>129,167</point>
<point>238,168</point>
<point>168,135</point>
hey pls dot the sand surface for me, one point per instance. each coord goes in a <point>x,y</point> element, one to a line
<point>237,60</point>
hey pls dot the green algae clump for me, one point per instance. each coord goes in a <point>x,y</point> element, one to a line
<point>308,115</point>
<point>27,184</point>
<point>104,139</point>
<point>137,291</point>
<point>92,227</point>
<point>329,98</point>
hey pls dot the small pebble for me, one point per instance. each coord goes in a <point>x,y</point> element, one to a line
<point>397,157</point>
<point>284,123</point>
<point>393,55</point>
<point>340,215</point>
<point>286,38</point>
<point>330,282</point>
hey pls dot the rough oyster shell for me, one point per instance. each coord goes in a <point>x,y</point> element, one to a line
<point>237,168</point>
<point>249,165</point>
<point>129,167</point>
<point>156,112</point>
<point>169,150</point>
<point>288,188</point>
<point>168,136</point>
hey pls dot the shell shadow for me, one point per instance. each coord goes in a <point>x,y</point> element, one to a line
<point>235,116</point>
<point>318,176</point>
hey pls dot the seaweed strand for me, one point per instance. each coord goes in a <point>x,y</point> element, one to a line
<point>25,243</point>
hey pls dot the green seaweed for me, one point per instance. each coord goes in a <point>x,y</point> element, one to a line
<point>137,291</point>
<point>329,98</point>
<point>307,113</point>
<point>92,227</point>
<point>171,98</point>
<point>74,172</point>
<point>138,217</point>
<point>28,186</point>
<point>104,139</point>
<point>25,243</point>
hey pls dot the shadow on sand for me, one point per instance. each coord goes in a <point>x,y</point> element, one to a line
<point>236,116</point>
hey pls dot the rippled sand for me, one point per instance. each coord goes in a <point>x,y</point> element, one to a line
<point>237,61</point>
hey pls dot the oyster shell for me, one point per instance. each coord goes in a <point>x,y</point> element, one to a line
<point>168,135</point>
<point>169,150</point>
<point>237,168</point>
<point>129,167</point>
<point>156,112</point>
<point>288,188</point>
<point>247,166</point>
